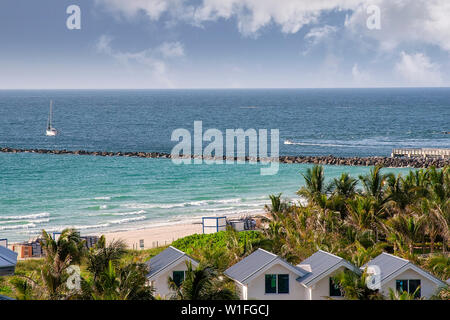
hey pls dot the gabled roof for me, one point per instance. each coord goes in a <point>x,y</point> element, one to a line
<point>256,262</point>
<point>8,261</point>
<point>320,264</point>
<point>391,266</point>
<point>166,258</point>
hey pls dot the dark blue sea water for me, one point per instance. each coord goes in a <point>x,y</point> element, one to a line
<point>343,122</point>
<point>96,194</point>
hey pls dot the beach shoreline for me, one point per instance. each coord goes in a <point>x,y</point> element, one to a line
<point>163,234</point>
<point>156,236</point>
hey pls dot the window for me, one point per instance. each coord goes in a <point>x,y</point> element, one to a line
<point>409,286</point>
<point>283,283</point>
<point>277,283</point>
<point>178,277</point>
<point>413,285</point>
<point>335,290</point>
<point>271,283</point>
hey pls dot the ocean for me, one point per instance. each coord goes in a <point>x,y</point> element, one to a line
<point>97,194</point>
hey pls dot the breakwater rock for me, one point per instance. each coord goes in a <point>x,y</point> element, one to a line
<point>394,162</point>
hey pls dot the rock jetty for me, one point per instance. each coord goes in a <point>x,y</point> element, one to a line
<point>394,162</point>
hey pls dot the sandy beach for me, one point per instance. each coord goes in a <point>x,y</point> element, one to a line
<point>155,236</point>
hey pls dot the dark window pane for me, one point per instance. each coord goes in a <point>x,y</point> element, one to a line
<point>401,285</point>
<point>283,283</point>
<point>413,285</point>
<point>335,291</point>
<point>271,283</point>
<point>178,277</point>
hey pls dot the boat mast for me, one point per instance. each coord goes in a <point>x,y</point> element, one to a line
<point>50,115</point>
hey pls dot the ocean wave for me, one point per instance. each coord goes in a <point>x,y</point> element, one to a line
<point>20,226</point>
<point>28,217</point>
<point>102,198</point>
<point>128,213</point>
<point>121,221</point>
<point>197,203</point>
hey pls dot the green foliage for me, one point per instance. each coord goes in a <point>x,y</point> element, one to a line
<point>202,283</point>
<point>403,295</point>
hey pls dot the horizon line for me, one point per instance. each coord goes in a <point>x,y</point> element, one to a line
<point>221,88</point>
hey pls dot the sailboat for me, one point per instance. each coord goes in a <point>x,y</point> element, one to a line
<point>51,132</point>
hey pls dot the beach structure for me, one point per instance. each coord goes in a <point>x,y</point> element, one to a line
<point>4,243</point>
<point>169,263</point>
<point>8,261</point>
<point>402,275</point>
<point>421,152</point>
<point>264,275</point>
<point>214,224</point>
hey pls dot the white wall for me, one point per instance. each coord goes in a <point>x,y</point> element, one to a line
<point>427,287</point>
<point>160,281</point>
<point>256,288</point>
<point>321,290</point>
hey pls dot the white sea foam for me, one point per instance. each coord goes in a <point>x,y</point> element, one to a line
<point>20,226</point>
<point>121,221</point>
<point>28,217</point>
<point>132,213</point>
<point>197,203</point>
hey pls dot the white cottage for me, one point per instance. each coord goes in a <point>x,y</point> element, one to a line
<point>264,275</point>
<point>8,261</point>
<point>169,263</point>
<point>402,275</point>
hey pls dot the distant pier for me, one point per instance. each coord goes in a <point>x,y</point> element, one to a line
<point>421,153</point>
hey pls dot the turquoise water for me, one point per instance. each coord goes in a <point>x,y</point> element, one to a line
<point>96,194</point>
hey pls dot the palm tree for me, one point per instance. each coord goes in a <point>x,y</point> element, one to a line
<point>100,256</point>
<point>354,286</point>
<point>315,184</point>
<point>345,186</point>
<point>69,248</point>
<point>403,295</point>
<point>399,193</point>
<point>440,265</point>
<point>409,228</point>
<point>201,284</point>
<point>120,283</point>
<point>277,205</point>
<point>373,183</point>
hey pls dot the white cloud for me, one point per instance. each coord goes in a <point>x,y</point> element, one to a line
<point>171,49</point>
<point>403,21</point>
<point>361,78</point>
<point>153,59</point>
<point>315,35</point>
<point>251,15</point>
<point>417,69</point>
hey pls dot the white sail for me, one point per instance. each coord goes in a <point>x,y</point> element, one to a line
<point>50,130</point>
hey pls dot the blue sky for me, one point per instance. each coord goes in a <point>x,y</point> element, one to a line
<point>224,44</point>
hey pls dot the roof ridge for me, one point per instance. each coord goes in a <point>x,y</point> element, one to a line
<point>263,266</point>
<point>329,253</point>
<point>397,257</point>
<point>177,250</point>
<point>271,253</point>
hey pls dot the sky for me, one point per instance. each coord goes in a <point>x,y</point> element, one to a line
<point>170,44</point>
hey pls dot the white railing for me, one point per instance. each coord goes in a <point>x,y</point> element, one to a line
<point>423,152</point>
